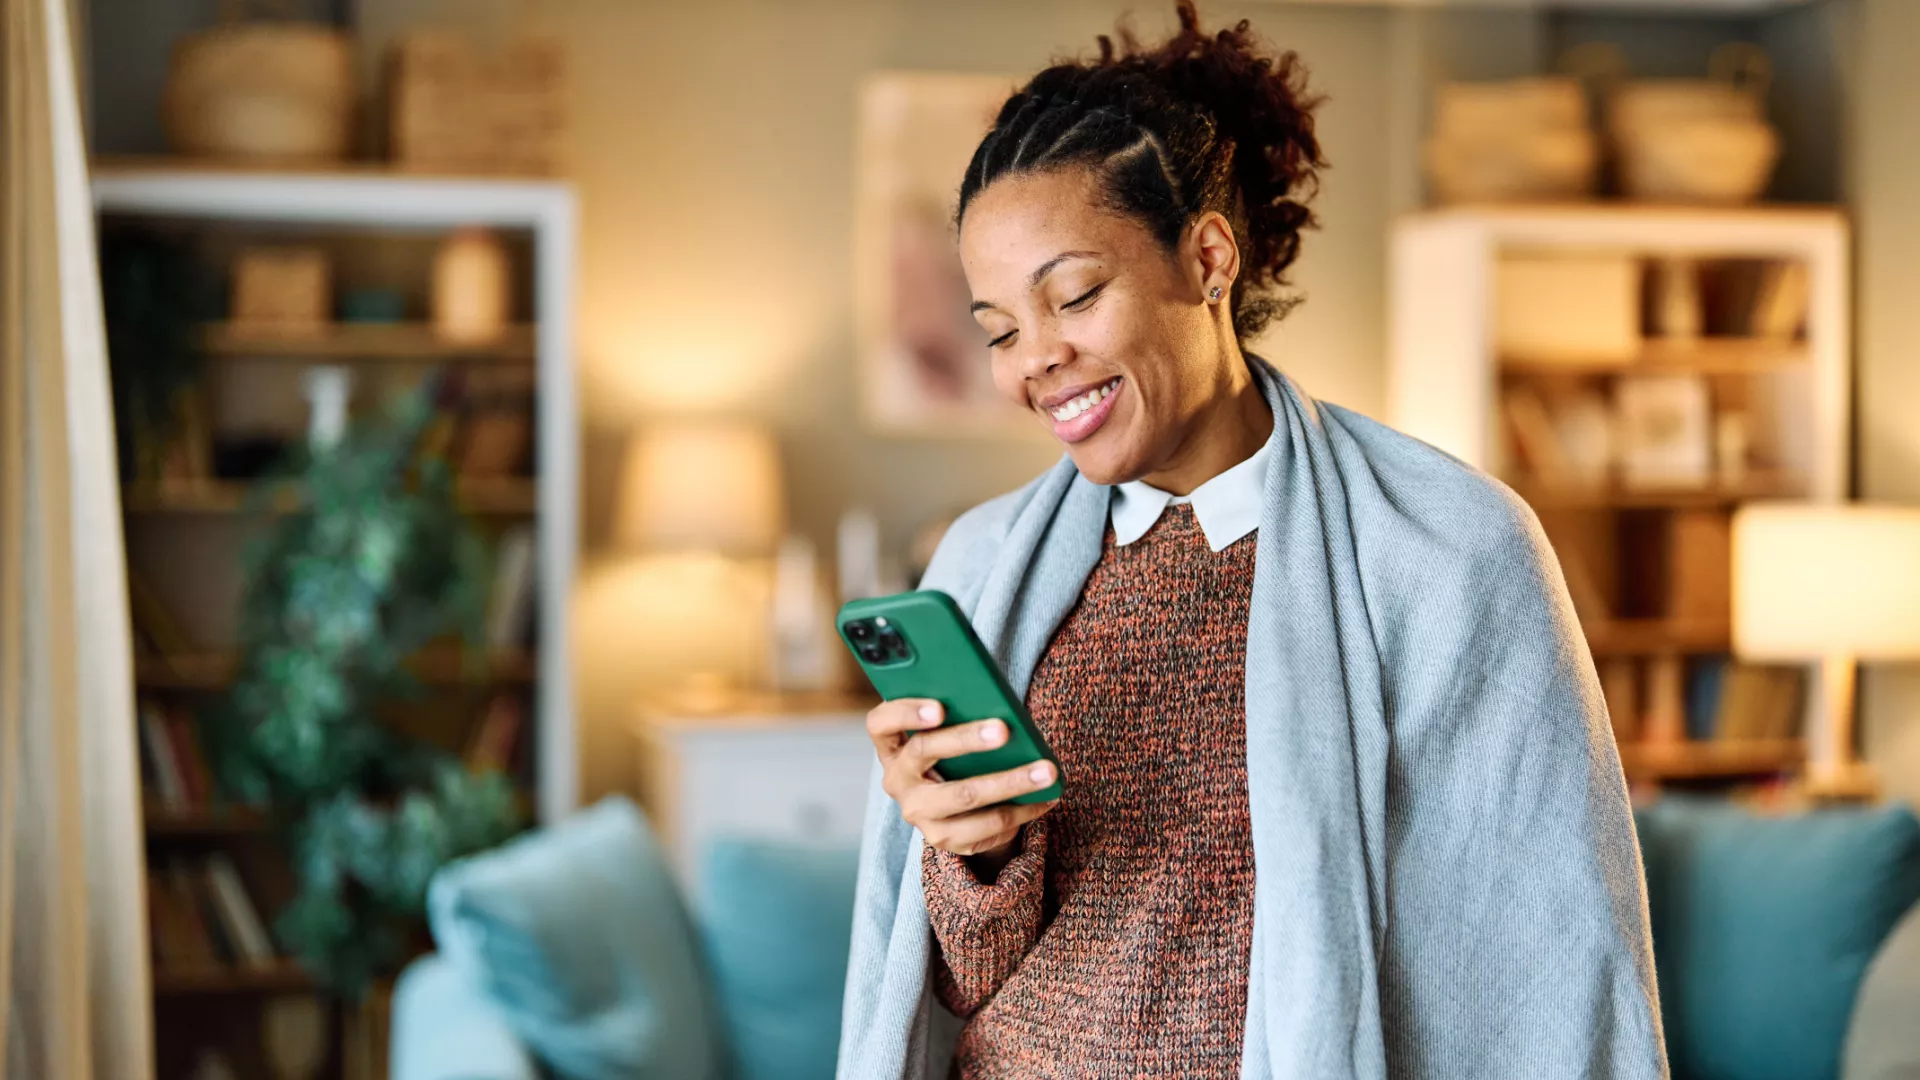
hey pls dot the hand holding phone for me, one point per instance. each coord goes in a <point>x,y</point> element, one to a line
<point>959,753</point>
<point>970,817</point>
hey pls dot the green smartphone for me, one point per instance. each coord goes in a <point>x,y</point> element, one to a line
<point>920,645</point>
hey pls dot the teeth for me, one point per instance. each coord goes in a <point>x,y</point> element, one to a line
<point>1070,409</point>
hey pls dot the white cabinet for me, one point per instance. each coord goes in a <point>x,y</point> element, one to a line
<point>800,778</point>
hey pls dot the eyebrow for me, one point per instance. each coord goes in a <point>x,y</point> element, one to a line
<point>1040,272</point>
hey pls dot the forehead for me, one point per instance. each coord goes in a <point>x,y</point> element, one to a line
<point>1019,222</point>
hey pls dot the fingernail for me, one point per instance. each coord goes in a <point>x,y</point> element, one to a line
<point>1041,773</point>
<point>929,715</point>
<point>993,732</point>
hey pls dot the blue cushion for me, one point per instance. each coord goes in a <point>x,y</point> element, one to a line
<point>445,1029</point>
<point>777,919</point>
<point>1763,927</point>
<point>577,933</point>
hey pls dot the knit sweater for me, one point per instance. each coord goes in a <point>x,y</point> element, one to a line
<point>1116,942</point>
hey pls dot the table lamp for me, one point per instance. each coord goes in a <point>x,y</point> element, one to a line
<point>1834,584</point>
<point>707,494</point>
<point>693,486</point>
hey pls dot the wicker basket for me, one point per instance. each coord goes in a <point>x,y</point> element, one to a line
<point>265,91</point>
<point>1521,140</point>
<point>1696,140</point>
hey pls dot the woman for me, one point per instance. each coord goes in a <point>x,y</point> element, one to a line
<point>1340,798</point>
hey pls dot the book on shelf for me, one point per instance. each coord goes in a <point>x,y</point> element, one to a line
<point>1665,719</point>
<point>236,908</point>
<point>1620,687</point>
<point>174,766</point>
<point>510,605</point>
<point>179,938</point>
<point>1699,570</point>
<point>496,428</point>
<point>1534,434</point>
<point>1728,701</point>
<point>497,738</point>
<point>203,917</point>
<point>166,782</point>
<point>1780,300</point>
<point>1705,678</point>
<point>153,624</point>
<point>1759,702</point>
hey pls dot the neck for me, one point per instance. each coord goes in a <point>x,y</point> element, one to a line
<point>1231,428</point>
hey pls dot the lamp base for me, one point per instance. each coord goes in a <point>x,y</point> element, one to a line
<point>1852,781</point>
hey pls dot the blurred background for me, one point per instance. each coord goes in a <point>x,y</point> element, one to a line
<point>654,310</point>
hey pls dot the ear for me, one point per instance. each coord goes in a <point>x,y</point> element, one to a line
<point>1215,257</point>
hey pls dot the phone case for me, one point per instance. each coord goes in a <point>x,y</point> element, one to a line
<point>949,664</point>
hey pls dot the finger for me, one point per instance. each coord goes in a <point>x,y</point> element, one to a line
<point>930,748</point>
<point>890,722</point>
<point>976,832</point>
<point>956,797</point>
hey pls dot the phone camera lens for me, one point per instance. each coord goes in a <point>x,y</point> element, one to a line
<point>874,654</point>
<point>859,631</point>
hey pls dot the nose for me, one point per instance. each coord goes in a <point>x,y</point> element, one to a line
<point>1043,354</point>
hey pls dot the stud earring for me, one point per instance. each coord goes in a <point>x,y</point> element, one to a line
<point>1214,294</point>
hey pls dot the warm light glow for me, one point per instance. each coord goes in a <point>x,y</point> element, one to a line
<point>691,486</point>
<point>1812,581</point>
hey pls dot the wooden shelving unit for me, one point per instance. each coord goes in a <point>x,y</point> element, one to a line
<point>181,522</point>
<point>284,978</point>
<point>503,497</point>
<point>214,670</point>
<point>1710,760</point>
<point>1700,356</point>
<point>1653,637</point>
<point>214,822</point>
<point>365,341</point>
<point>1648,567</point>
<point>1625,498</point>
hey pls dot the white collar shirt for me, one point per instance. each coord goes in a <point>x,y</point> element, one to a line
<point>1228,506</point>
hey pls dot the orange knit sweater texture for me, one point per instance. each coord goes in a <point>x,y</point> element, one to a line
<point>1116,943</point>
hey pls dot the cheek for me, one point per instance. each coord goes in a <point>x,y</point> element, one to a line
<point>1006,378</point>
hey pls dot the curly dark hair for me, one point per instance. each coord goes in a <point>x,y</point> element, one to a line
<point>1201,122</point>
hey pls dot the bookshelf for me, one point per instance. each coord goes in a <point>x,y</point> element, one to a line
<point>1725,330</point>
<point>208,859</point>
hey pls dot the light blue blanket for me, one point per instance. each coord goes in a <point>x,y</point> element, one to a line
<point>1447,881</point>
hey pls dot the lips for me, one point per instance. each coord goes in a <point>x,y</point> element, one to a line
<point>1079,412</point>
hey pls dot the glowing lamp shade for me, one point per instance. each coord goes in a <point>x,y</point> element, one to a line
<point>1833,583</point>
<point>701,487</point>
<point>1814,581</point>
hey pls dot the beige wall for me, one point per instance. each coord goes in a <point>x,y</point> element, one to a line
<point>1880,178</point>
<point>713,148</point>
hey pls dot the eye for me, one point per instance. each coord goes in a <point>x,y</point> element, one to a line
<point>1002,339</point>
<point>1080,303</point>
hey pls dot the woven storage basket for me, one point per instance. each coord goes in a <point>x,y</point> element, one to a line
<point>261,91</point>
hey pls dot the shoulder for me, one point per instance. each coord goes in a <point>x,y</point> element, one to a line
<point>1423,516</point>
<point>973,542</point>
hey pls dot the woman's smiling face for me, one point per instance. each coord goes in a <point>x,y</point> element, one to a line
<point>1094,327</point>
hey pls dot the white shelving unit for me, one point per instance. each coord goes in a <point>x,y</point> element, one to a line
<point>547,211</point>
<point>1446,380</point>
<point>1442,369</point>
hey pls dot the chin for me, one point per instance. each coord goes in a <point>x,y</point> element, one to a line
<point>1101,465</point>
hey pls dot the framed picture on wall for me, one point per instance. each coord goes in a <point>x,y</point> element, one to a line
<point>923,360</point>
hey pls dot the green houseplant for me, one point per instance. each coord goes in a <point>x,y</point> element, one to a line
<point>364,559</point>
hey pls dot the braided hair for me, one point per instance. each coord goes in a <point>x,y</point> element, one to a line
<point>1198,123</point>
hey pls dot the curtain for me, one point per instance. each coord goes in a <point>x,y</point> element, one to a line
<point>74,980</point>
